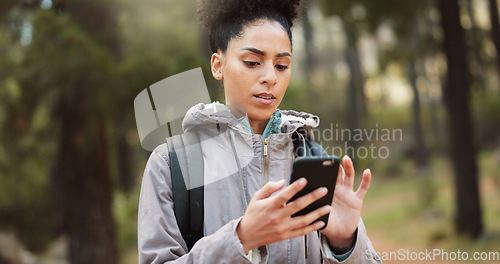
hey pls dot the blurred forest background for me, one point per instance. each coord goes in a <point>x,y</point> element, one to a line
<point>71,161</point>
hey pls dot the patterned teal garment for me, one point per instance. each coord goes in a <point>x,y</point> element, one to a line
<point>272,127</point>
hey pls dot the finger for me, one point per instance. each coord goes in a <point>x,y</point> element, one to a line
<point>365,184</point>
<point>339,176</point>
<point>305,200</point>
<point>287,193</point>
<point>306,230</point>
<point>268,189</point>
<point>349,171</point>
<point>305,220</point>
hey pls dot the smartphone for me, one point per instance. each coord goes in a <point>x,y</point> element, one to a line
<point>319,172</point>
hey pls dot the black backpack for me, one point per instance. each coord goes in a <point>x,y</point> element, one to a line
<point>185,156</point>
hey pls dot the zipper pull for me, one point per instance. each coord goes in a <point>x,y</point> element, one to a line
<point>265,160</point>
<point>265,147</point>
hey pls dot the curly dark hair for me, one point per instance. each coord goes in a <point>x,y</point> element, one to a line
<point>225,19</point>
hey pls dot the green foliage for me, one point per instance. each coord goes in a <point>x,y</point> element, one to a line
<point>428,190</point>
<point>333,8</point>
<point>125,208</point>
<point>486,109</point>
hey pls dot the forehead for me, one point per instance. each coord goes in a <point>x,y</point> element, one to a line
<point>262,34</point>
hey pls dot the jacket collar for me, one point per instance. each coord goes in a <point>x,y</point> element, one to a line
<point>216,113</point>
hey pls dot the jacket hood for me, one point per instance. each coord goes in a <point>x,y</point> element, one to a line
<point>217,113</point>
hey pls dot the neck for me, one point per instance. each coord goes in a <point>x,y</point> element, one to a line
<point>258,126</point>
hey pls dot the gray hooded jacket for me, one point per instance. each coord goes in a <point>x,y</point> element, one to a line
<point>234,169</point>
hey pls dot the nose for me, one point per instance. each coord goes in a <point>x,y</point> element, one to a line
<point>269,77</point>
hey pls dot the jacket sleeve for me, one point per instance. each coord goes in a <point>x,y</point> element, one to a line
<point>159,238</point>
<point>363,251</point>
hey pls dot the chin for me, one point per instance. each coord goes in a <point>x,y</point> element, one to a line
<point>261,114</point>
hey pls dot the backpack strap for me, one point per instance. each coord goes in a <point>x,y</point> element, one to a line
<point>186,168</point>
<point>316,149</point>
<point>304,147</point>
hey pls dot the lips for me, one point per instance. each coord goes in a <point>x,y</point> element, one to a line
<point>265,98</point>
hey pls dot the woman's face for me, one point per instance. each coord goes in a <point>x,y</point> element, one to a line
<point>255,69</point>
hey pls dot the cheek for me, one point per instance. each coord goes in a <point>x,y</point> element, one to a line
<point>231,92</point>
<point>236,91</point>
<point>236,76</point>
<point>284,83</point>
<point>241,83</point>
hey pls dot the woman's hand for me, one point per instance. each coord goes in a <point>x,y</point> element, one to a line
<point>346,208</point>
<point>268,219</point>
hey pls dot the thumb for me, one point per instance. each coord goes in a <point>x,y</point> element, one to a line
<point>268,189</point>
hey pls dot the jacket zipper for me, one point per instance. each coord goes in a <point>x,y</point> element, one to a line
<point>266,140</point>
<point>307,249</point>
<point>266,161</point>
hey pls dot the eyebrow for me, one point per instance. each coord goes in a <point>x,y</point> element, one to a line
<point>262,53</point>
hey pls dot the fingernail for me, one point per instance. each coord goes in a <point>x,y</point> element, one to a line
<point>322,190</point>
<point>327,209</point>
<point>280,182</point>
<point>302,181</point>
<point>320,224</point>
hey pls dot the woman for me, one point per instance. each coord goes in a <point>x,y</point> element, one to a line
<point>247,160</point>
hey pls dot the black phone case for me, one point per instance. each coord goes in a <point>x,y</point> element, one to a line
<point>319,172</point>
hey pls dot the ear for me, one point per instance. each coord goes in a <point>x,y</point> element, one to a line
<point>216,63</point>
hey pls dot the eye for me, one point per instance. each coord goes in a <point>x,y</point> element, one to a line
<point>251,63</point>
<point>281,67</point>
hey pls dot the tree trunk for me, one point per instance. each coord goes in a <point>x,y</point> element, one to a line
<point>434,101</point>
<point>495,30</point>
<point>476,48</point>
<point>419,144</point>
<point>357,80</point>
<point>436,129</point>
<point>355,100</point>
<point>82,187</point>
<point>309,60</point>
<point>463,152</point>
<point>81,182</point>
<point>125,170</point>
<point>352,108</point>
